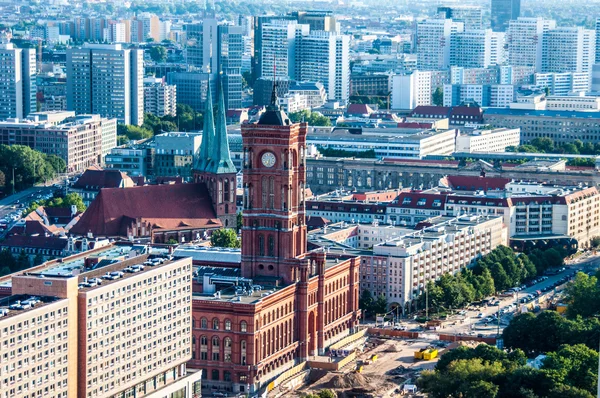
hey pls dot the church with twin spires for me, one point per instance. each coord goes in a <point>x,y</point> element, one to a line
<point>283,304</point>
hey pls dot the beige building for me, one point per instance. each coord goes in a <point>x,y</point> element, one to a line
<point>123,330</point>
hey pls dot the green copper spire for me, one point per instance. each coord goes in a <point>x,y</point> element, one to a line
<point>208,134</point>
<point>220,159</point>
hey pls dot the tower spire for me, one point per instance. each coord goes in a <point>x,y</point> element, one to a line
<point>220,162</point>
<point>208,133</point>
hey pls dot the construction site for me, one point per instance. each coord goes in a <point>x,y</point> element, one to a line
<point>374,363</point>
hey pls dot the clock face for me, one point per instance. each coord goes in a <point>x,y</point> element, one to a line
<point>268,159</point>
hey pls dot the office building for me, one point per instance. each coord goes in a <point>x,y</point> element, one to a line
<point>192,87</point>
<point>370,83</point>
<point>434,42</point>
<point>176,153</point>
<point>160,99</point>
<point>18,83</point>
<point>314,92</point>
<point>106,79</point>
<point>496,140</point>
<point>324,57</point>
<point>149,357</point>
<point>259,22</point>
<point>128,160</point>
<point>145,26</point>
<point>503,11</point>
<point>571,49</point>
<point>470,16</point>
<point>597,60</point>
<point>317,20</point>
<point>525,40</point>
<point>486,95</point>
<point>477,48</point>
<point>217,49</point>
<point>80,141</point>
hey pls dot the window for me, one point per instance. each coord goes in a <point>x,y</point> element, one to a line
<point>243,326</point>
<point>261,245</point>
<point>215,374</point>
<point>226,375</point>
<point>271,245</point>
<point>227,324</point>
<point>406,201</point>
<point>215,324</point>
<point>204,323</point>
<point>215,341</point>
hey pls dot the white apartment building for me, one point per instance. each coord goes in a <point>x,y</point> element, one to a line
<point>501,95</point>
<point>525,39</point>
<point>160,99</point>
<point>400,268</point>
<point>106,79</point>
<point>471,16</point>
<point>314,92</point>
<point>434,42</point>
<point>476,48</point>
<point>115,32</point>
<point>563,84</point>
<point>280,46</point>
<point>496,140</point>
<point>411,90</point>
<point>18,84</point>
<point>293,102</point>
<point>568,49</point>
<point>324,57</point>
<point>487,95</point>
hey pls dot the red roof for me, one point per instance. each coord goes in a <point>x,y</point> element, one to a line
<point>470,183</point>
<point>430,111</point>
<point>414,125</point>
<point>166,207</point>
<point>466,111</point>
<point>38,242</point>
<point>359,109</point>
<point>95,179</point>
<point>419,200</point>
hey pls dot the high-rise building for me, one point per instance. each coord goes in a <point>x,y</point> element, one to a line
<point>217,49</point>
<point>280,44</point>
<point>116,32</point>
<point>471,16</point>
<point>434,41</point>
<point>317,20</point>
<point>192,87</point>
<point>563,83</point>
<point>411,90</point>
<point>597,58</point>
<point>477,48</point>
<point>18,84</point>
<point>568,49</point>
<point>525,41</point>
<point>259,22</point>
<point>503,11</point>
<point>324,57</point>
<point>160,99</point>
<point>106,79</point>
<point>145,26</point>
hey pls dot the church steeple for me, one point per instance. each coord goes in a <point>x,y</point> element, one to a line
<point>220,159</point>
<point>208,134</point>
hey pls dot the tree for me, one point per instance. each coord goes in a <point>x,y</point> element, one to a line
<point>5,271</point>
<point>575,365</point>
<point>239,221</point>
<point>23,261</point>
<point>312,118</point>
<point>366,301</point>
<point>380,305</point>
<point>438,97</point>
<point>72,199</point>
<point>225,237</point>
<point>134,132</point>
<point>594,242</point>
<point>327,394</point>
<point>172,241</point>
<point>553,258</point>
<point>583,296</point>
<point>38,259</point>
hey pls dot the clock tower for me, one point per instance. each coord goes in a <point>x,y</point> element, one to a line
<point>274,243</point>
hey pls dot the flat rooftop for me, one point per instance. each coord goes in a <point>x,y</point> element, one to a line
<point>209,254</point>
<point>20,303</point>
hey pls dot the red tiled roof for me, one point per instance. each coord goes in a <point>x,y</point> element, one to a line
<point>478,201</point>
<point>470,183</point>
<point>466,111</point>
<point>414,125</point>
<point>419,200</point>
<point>426,110</point>
<point>162,206</point>
<point>94,177</point>
<point>359,109</point>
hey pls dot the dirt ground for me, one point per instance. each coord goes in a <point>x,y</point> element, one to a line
<point>381,378</point>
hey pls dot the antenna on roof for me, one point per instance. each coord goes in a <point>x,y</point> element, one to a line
<point>274,93</point>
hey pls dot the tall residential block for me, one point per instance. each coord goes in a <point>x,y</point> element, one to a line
<point>160,99</point>
<point>411,90</point>
<point>525,40</point>
<point>106,79</point>
<point>280,42</point>
<point>433,42</point>
<point>568,49</point>
<point>324,57</point>
<point>18,84</point>
<point>477,48</point>
<point>503,11</point>
<point>471,16</point>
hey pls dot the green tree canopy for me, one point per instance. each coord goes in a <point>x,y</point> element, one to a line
<point>225,237</point>
<point>312,118</point>
<point>158,53</point>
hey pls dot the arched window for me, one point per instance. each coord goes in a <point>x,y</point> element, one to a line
<point>265,192</point>
<point>204,374</point>
<point>227,349</point>
<point>226,191</point>
<point>215,324</point>
<point>226,375</point>
<point>215,374</point>
<point>261,245</point>
<point>272,193</point>
<point>204,323</point>
<point>227,324</point>
<point>271,245</point>
<point>203,340</point>
<point>243,326</point>
<point>215,341</point>
<point>220,188</point>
